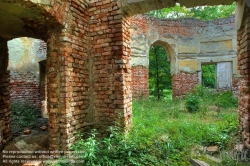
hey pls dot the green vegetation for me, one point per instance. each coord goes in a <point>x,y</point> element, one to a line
<point>209,75</point>
<point>164,132</point>
<point>160,78</point>
<point>200,12</point>
<point>26,114</point>
<point>192,103</point>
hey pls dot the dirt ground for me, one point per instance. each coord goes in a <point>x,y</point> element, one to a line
<point>25,148</point>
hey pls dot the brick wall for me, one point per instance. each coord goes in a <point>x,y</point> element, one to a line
<point>110,85</point>
<point>140,87</point>
<point>187,43</point>
<point>5,129</point>
<point>25,89</point>
<point>4,104</point>
<point>244,67</point>
<point>67,78</point>
<point>235,85</point>
<point>183,82</point>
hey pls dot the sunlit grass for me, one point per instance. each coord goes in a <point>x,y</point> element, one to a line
<point>154,120</point>
<point>164,132</point>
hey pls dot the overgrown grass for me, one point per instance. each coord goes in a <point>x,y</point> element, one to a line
<point>164,132</point>
<point>157,120</point>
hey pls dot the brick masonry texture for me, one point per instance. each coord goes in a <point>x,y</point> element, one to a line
<point>5,94</point>
<point>183,82</point>
<point>244,67</point>
<point>89,76</point>
<point>24,89</point>
<point>110,83</point>
<point>139,84</point>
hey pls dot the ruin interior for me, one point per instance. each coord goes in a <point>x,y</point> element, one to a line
<point>89,53</point>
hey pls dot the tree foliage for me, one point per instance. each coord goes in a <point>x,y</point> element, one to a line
<point>200,12</point>
<point>159,71</point>
<point>209,75</point>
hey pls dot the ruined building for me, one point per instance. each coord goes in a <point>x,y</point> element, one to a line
<point>88,64</point>
<point>189,44</point>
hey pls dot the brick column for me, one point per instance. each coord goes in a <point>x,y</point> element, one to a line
<point>110,55</point>
<point>58,105</point>
<point>5,129</point>
<point>243,42</point>
<point>67,78</point>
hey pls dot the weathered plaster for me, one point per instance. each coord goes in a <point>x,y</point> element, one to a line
<point>24,55</point>
<point>27,83</point>
<point>191,40</point>
<point>189,66</point>
<point>189,43</point>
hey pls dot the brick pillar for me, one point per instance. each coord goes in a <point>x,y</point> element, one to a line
<point>56,89</point>
<point>243,42</point>
<point>88,72</point>
<point>68,78</point>
<point>5,129</point>
<point>110,55</point>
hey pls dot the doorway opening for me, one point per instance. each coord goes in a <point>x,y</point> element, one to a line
<point>209,75</point>
<point>27,65</point>
<point>160,79</point>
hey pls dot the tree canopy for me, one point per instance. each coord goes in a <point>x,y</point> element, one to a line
<point>200,12</point>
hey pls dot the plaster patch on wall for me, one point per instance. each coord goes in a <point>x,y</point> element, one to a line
<point>15,54</point>
<point>188,46</point>
<point>140,61</point>
<point>189,66</point>
<point>216,46</point>
<point>139,45</point>
<point>25,53</point>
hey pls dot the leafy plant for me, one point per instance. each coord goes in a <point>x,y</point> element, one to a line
<point>226,100</point>
<point>192,103</point>
<point>25,113</point>
<point>199,12</point>
<point>114,150</point>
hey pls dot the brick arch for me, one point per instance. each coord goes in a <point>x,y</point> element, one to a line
<point>27,19</point>
<point>170,52</point>
<point>20,19</point>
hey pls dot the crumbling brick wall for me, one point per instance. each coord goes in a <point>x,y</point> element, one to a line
<point>88,69</point>
<point>5,130</point>
<point>189,43</point>
<point>24,89</point>
<point>110,85</point>
<point>243,43</point>
<point>183,83</point>
<point>139,84</point>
